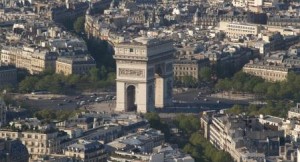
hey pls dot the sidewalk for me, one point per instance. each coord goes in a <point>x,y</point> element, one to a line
<point>233,96</point>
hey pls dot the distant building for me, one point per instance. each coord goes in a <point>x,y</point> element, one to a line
<point>144,145</point>
<point>283,21</point>
<point>143,141</point>
<point>262,3</point>
<point>8,76</point>
<point>35,61</point>
<point>3,111</point>
<point>38,142</point>
<point>187,67</point>
<point>51,158</point>
<point>244,138</point>
<point>75,65</point>
<point>86,151</point>
<point>237,30</point>
<point>13,151</point>
<point>161,153</point>
<point>294,112</point>
<point>42,60</point>
<point>269,71</point>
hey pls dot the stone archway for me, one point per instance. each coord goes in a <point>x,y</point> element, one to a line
<point>144,74</point>
<point>131,98</point>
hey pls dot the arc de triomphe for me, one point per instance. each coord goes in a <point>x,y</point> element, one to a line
<point>144,74</point>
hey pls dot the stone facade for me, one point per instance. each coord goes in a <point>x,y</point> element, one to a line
<point>38,143</point>
<point>85,150</point>
<point>237,30</point>
<point>35,61</point>
<point>183,68</point>
<point>74,65</point>
<point>269,72</point>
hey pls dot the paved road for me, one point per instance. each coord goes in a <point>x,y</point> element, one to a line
<point>187,102</point>
<point>192,102</point>
<point>61,102</point>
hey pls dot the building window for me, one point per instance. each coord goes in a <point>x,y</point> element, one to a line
<point>130,50</point>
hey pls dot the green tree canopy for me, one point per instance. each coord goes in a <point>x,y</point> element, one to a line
<point>156,123</point>
<point>79,24</point>
<point>94,74</point>
<point>205,74</point>
<point>28,84</point>
<point>187,123</point>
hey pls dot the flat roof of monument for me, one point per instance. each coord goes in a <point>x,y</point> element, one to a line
<point>146,41</point>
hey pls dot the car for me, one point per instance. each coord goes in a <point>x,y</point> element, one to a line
<point>218,101</point>
<point>78,97</point>
<point>60,104</point>
<point>205,99</point>
<point>99,99</point>
<point>82,103</point>
<point>108,97</point>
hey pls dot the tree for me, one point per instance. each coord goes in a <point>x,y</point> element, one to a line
<point>272,91</point>
<point>111,77</point>
<point>156,123</point>
<point>205,73</point>
<point>103,72</point>
<point>260,88</point>
<point>73,79</point>
<point>153,119</point>
<point>94,74</point>
<point>28,84</point>
<point>236,109</point>
<point>187,123</point>
<point>79,24</point>
<point>224,84</point>
<point>188,81</point>
<point>21,74</point>
<point>204,151</point>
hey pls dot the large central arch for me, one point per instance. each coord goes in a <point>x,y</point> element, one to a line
<point>131,98</point>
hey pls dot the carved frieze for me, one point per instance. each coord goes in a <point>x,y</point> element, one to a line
<point>127,72</point>
<point>130,62</point>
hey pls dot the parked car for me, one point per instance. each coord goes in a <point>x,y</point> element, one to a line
<point>99,99</point>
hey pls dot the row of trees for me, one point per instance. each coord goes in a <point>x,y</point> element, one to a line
<point>61,115</point>
<point>242,82</point>
<point>197,146</point>
<point>191,141</point>
<point>279,109</point>
<point>59,83</point>
<point>203,151</point>
<point>188,124</point>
